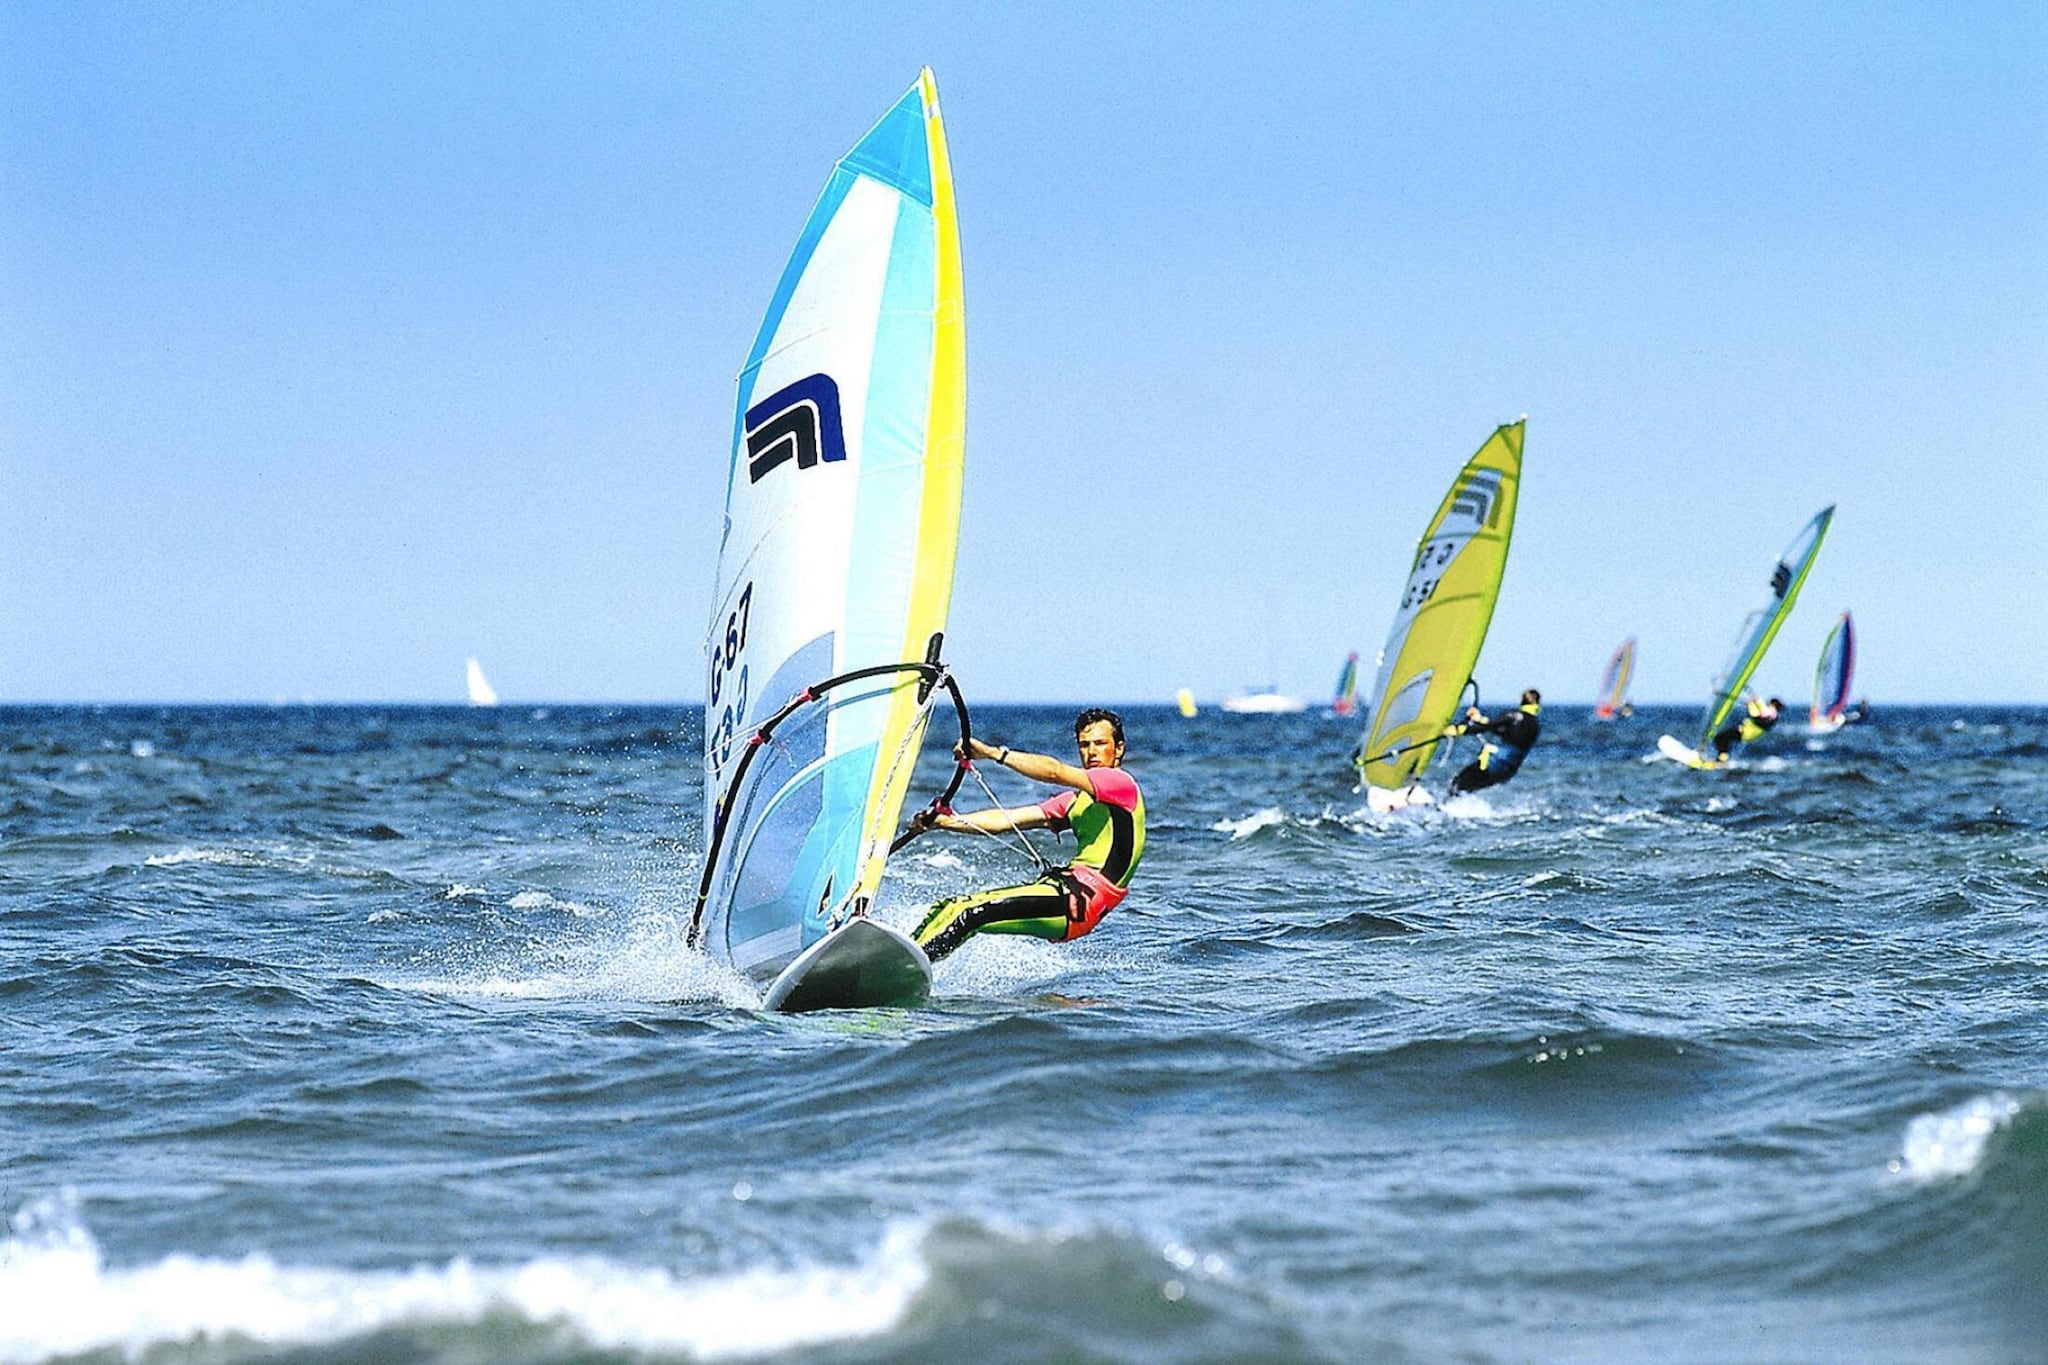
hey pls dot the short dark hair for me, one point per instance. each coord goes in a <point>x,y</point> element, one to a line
<point>1531,697</point>
<point>1096,714</point>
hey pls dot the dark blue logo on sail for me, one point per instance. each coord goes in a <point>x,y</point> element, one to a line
<point>800,422</point>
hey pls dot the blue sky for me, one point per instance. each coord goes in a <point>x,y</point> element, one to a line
<point>341,342</point>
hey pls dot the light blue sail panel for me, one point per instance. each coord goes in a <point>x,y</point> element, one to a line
<point>831,538</point>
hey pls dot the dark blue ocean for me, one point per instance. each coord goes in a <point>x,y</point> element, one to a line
<point>364,1034</point>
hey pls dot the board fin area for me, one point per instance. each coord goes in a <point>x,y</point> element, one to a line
<point>1679,752</point>
<point>1387,800</point>
<point>860,965</point>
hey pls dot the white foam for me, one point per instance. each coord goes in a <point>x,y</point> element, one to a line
<point>459,892</point>
<point>948,862</point>
<point>1467,806</point>
<point>541,900</point>
<point>1950,1144</point>
<point>218,857</point>
<point>1251,824</point>
<point>645,961</point>
<point>64,1300</point>
<point>142,748</point>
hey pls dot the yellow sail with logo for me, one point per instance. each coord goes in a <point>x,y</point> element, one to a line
<point>1442,618</point>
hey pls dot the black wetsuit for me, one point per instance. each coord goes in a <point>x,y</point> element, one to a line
<point>1752,726</point>
<point>1516,730</point>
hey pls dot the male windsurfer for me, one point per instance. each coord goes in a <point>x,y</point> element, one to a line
<point>1516,732</point>
<point>1758,717</point>
<point>1103,808</point>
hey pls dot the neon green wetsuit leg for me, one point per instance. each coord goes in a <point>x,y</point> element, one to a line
<point>1041,909</point>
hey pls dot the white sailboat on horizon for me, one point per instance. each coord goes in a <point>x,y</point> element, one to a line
<point>481,693</point>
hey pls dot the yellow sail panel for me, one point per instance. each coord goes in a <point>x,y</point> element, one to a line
<point>938,518</point>
<point>1443,614</point>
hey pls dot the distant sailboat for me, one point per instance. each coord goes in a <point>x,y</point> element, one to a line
<point>1345,700</point>
<point>1833,677</point>
<point>1262,701</point>
<point>1614,682</point>
<point>1185,700</point>
<point>1440,623</point>
<point>481,693</point>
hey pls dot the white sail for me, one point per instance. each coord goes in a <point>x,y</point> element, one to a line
<point>481,692</point>
<point>842,512</point>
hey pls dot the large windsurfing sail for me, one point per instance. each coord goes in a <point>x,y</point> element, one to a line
<point>1443,614</point>
<point>1762,626</point>
<point>841,515</point>
<point>1345,700</point>
<point>1834,675</point>
<point>1621,665</point>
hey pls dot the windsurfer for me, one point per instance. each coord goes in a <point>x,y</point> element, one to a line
<point>1516,732</point>
<point>1103,808</point>
<point>1758,718</point>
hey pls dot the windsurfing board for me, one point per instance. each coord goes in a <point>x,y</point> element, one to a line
<point>1387,800</point>
<point>1682,753</point>
<point>860,965</point>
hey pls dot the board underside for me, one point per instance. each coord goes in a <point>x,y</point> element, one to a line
<point>859,965</point>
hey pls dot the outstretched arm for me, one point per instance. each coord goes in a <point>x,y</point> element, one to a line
<point>1038,767</point>
<point>998,820</point>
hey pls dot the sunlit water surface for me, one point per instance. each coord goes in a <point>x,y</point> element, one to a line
<point>367,1034</point>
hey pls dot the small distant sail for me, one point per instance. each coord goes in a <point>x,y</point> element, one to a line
<point>1787,575</point>
<point>481,693</point>
<point>1440,623</point>
<point>1185,699</point>
<point>1614,682</point>
<point>1345,700</point>
<point>1833,677</point>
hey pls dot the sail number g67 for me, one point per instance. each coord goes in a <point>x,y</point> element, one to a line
<point>729,676</point>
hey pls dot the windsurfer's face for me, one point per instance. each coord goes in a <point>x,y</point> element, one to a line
<point>1099,746</point>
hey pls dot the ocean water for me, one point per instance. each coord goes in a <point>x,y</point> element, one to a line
<point>366,1034</point>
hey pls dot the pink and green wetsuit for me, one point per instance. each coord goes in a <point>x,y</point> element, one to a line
<point>1110,828</point>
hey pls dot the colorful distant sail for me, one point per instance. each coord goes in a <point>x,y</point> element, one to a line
<point>1834,676</point>
<point>1762,626</point>
<point>1621,666</point>
<point>842,512</point>
<point>1346,699</point>
<point>1440,623</point>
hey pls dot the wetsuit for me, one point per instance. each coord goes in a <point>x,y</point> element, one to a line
<point>1516,730</point>
<point>1751,727</point>
<point>1067,903</point>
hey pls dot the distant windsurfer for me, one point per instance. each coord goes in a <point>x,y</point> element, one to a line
<point>1103,808</point>
<point>1510,736</point>
<point>1758,717</point>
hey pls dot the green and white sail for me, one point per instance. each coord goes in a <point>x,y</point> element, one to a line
<point>841,516</point>
<point>1444,611</point>
<point>1761,627</point>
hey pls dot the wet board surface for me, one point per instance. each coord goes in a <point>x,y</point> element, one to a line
<point>860,965</point>
<point>1681,753</point>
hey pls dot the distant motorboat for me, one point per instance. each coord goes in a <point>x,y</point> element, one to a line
<point>1264,701</point>
<point>481,693</point>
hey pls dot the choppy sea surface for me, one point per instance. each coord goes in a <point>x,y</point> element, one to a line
<point>367,1034</point>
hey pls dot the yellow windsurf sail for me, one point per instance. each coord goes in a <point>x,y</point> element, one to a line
<point>1443,615</point>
